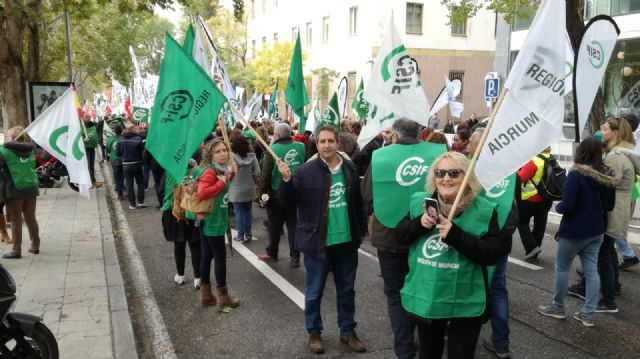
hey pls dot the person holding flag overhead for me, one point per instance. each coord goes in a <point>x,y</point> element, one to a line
<point>19,188</point>
<point>293,154</point>
<point>396,172</point>
<point>331,224</point>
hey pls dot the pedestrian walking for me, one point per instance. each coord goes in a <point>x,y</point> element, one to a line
<point>213,182</point>
<point>588,196</point>
<point>242,191</point>
<point>116,162</point>
<point>332,221</point>
<point>446,289</point>
<point>130,147</point>
<point>19,188</point>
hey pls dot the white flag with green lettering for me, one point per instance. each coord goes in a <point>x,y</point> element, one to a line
<point>59,132</point>
<point>532,112</point>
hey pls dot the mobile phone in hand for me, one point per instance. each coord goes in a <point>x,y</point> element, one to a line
<point>432,209</point>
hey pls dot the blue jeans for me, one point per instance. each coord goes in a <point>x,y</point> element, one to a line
<point>499,297</point>
<point>243,218</point>
<point>343,260</point>
<point>587,249</point>
<point>625,249</point>
<point>118,179</point>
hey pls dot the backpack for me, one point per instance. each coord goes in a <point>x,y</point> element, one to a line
<point>551,185</point>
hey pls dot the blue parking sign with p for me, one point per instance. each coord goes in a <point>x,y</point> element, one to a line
<point>491,88</point>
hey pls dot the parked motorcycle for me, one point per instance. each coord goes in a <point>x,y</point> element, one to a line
<point>22,336</point>
<point>50,170</point>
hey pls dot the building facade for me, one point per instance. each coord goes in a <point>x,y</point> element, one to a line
<point>344,36</point>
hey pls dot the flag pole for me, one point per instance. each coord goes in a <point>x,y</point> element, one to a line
<point>476,154</point>
<point>258,137</point>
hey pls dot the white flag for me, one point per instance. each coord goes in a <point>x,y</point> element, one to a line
<point>394,90</point>
<point>253,107</point>
<point>199,52</point>
<point>532,112</point>
<point>448,95</point>
<point>59,132</point>
<point>342,96</point>
<point>218,64</point>
<point>599,39</point>
<point>314,116</point>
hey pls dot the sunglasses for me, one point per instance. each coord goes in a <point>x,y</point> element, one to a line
<point>453,173</point>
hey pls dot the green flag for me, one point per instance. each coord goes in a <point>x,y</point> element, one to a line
<point>186,107</point>
<point>296,91</point>
<point>189,39</point>
<point>140,114</point>
<point>330,115</point>
<point>359,103</point>
<point>273,102</point>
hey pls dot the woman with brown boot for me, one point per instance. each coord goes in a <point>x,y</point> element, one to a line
<point>4,235</point>
<point>214,176</point>
<point>19,188</point>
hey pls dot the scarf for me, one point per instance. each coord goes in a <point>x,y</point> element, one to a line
<point>465,201</point>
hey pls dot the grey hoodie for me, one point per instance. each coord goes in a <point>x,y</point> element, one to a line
<point>625,165</point>
<point>243,186</point>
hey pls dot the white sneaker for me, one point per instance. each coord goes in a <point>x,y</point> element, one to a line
<point>132,207</point>
<point>141,205</point>
<point>196,283</point>
<point>179,279</point>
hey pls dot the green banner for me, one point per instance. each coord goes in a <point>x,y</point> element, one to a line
<point>186,107</point>
<point>330,116</point>
<point>296,91</point>
<point>140,115</point>
<point>359,103</point>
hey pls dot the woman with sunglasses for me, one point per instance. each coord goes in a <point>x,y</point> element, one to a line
<point>450,263</point>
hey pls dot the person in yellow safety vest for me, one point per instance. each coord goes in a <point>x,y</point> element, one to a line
<point>530,204</point>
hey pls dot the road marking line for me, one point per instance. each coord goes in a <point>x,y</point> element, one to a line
<point>368,255</point>
<point>287,288</point>
<point>524,264</point>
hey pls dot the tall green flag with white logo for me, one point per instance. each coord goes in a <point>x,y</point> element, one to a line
<point>296,91</point>
<point>273,102</point>
<point>359,103</point>
<point>330,116</point>
<point>186,107</point>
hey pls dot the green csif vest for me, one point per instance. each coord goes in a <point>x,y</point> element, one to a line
<point>292,154</point>
<point>398,171</point>
<point>22,170</point>
<point>441,282</point>
<point>502,195</point>
<point>216,223</point>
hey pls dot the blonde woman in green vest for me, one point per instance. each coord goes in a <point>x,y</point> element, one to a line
<point>450,263</point>
<point>19,188</point>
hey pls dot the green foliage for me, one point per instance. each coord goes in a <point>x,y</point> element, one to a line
<point>205,8</point>
<point>325,75</point>
<point>238,9</point>
<point>272,64</point>
<point>461,10</point>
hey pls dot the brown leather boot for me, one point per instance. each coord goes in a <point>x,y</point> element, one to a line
<point>225,300</point>
<point>4,236</point>
<point>206,296</point>
<point>315,342</point>
<point>353,342</point>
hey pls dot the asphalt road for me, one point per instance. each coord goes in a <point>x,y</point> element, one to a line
<point>268,324</point>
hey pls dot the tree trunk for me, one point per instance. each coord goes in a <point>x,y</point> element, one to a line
<point>575,28</point>
<point>12,85</point>
<point>33,51</point>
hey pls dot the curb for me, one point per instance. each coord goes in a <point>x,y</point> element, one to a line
<point>141,288</point>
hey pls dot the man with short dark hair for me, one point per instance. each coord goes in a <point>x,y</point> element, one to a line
<point>396,172</point>
<point>348,140</point>
<point>130,147</point>
<point>293,154</point>
<point>331,224</point>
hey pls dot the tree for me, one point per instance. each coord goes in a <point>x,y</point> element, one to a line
<point>325,75</point>
<point>511,10</point>
<point>271,64</point>
<point>22,51</point>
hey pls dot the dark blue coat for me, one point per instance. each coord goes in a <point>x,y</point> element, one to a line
<point>130,148</point>
<point>308,191</point>
<point>588,196</point>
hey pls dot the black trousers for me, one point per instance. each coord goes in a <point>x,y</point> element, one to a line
<point>462,337</point>
<point>539,212</point>
<point>394,268</point>
<point>278,215</point>
<point>180,255</point>
<point>134,172</point>
<point>91,161</point>
<point>213,249</point>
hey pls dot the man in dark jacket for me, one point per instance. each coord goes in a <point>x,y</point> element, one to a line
<point>130,147</point>
<point>331,224</point>
<point>293,154</point>
<point>396,172</point>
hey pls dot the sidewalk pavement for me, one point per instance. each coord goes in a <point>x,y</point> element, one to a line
<point>75,283</point>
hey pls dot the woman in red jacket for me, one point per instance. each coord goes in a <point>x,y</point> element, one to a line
<point>214,177</point>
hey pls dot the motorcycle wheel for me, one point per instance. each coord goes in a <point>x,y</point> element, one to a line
<point>41,344</point>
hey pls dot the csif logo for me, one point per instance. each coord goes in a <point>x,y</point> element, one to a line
<point>177,105</point>
<point>403,72</point>
<point>499,189</point>
<point>63,131</point>
<point>336,191</point>
<point>410,171</point>
<point>290,156</point>
<point>330,115</point>
<point>225,200</point>
<point>433,247</point>
<point>139,114</point>
<point>596,54</point>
